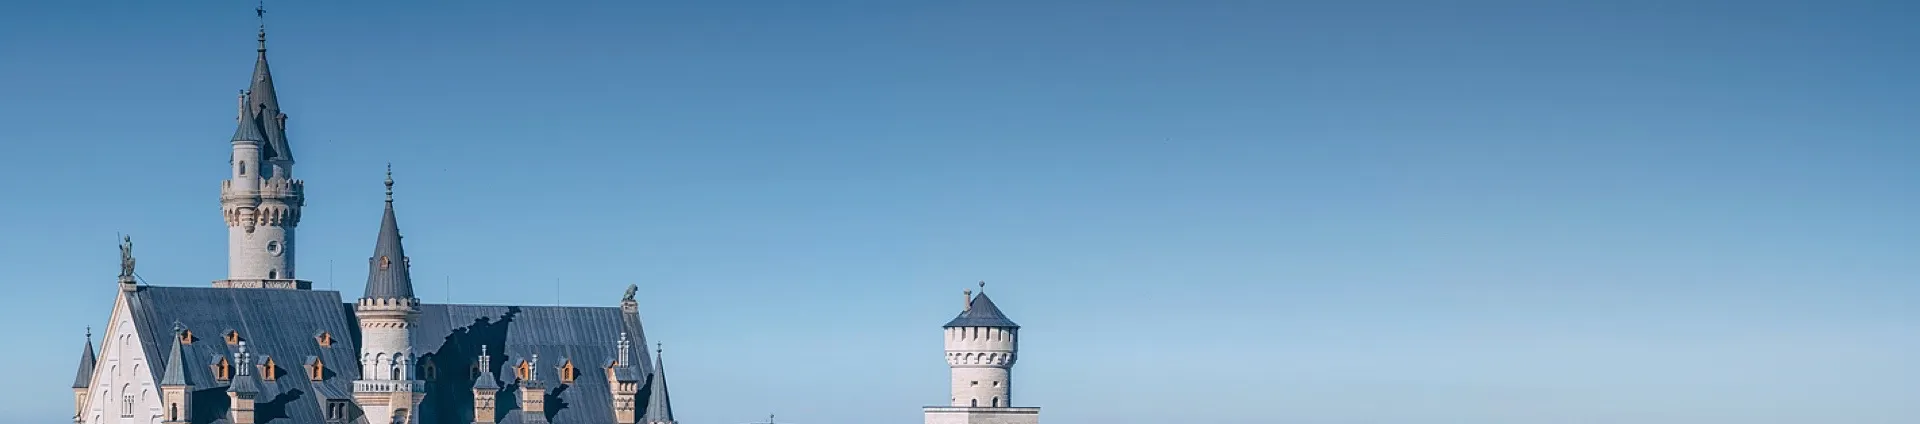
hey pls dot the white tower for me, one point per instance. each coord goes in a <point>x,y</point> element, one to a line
<point>261,200</point>
<point>982,345</point>
<point>388,391</point>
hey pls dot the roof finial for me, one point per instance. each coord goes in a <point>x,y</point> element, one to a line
<point>260,11</point>
<point>389,182</point>
<point>89,334</point>
<point>659,348</point>
<point>983,286</point>
<point>483,358</point>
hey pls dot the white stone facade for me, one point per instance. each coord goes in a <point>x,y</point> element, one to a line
<point>261,211</point>
<point>982,362</point>
<point>123,390</point>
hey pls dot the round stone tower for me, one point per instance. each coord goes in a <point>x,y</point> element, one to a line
<point>260,200</point>
<point>981,347</point>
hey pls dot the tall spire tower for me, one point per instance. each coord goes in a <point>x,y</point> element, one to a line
<point>388,391</point>
<point>261,200</point>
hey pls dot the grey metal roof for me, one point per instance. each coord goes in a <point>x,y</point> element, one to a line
<point>264,103</point>
<point>249,130</point>
<point>659,409</point>
<point>387,275</point>
<point>84,377</point>
<point>451,335</point>
<point>175,373</point>
<point>981,312</point>
<point>279,323</point>
<point>273,322</point>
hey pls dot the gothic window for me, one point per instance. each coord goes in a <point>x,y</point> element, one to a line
<point>243,168</point>
<point>126,405</point>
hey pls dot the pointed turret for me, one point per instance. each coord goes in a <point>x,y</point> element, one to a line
<point>659,409</point>
<point>981,312</point>
<point>84,377</point>
<point>263,107</point>
<point>175,373</point>
<point>387,276</point>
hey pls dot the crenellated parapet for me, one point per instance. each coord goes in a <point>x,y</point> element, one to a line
<point>979,359</point>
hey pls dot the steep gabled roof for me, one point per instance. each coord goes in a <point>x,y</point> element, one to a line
<point>84,377</point>
<point>981,312</point>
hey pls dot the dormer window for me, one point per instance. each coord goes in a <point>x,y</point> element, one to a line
<point>325,339</point>
<point>232,337</point>
<point>268,371</point>
<point>568,372</point>
<point>385,262</point>
<point>222,370</point>
<point>316,371</point>
<point>524,371</point>
<point>186,337</point>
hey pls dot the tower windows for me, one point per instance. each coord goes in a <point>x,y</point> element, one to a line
<point>126,405</point>
<point>273,274</point>
<point>974,384</point>
<point>975,403</point>
<point>273,247</point>
<point>336,410</point>
<point>243,168</point>
<point>996,401</point>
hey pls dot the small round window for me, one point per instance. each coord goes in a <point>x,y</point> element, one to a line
<point>273,248</point>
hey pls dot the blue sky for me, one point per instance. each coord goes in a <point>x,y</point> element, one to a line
<point>1495,212</point>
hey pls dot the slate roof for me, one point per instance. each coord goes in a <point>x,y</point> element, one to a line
<point>175,373</point>
<point>279,323</point>
<point>981,313</point>
<point>273,322</point>
<point>249,130</point>
<point>659,409</point>
<point>84,377</point>
<point>264,104</point>
<point>387,275</point>
<point>451,336</point>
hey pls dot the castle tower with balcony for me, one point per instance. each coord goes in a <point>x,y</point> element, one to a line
<point>982,345</point>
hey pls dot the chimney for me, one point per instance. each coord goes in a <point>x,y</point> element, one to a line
<point>967,305</point>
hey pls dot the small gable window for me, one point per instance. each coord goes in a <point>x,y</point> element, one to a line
<point>523,371</point>
<point>222,370</point>
<point>186,337</point>
<point>384,263</point>
<point>232,337</point>
<point>268,371</point>
<point>316,370</point>
<point>568,372</point>
<point>325,339</point>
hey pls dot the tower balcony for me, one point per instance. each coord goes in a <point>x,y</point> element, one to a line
<point>389,386</point>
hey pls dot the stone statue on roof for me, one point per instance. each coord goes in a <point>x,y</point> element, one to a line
<point>631,289</point>
<point>126,257</point>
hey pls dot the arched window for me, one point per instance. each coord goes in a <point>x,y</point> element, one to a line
<point>976,402</point>
<point>996,401</point>
<point>243,168</point>
<point>273,274</point>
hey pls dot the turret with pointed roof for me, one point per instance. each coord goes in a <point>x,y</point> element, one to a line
<point>388,388</point>
<point>387,276</point>
<point>84,376</point>
<point>659,409</point>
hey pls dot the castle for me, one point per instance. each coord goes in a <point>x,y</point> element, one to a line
<point>262,346</point>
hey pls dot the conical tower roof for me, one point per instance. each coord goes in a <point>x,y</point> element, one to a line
<point>387,275</point>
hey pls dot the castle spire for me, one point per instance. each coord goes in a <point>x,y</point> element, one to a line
<point>84,377</point>
<point>659,409</point>
<point>175,373</point>
<point>264,103</point>
<point>387,275</point>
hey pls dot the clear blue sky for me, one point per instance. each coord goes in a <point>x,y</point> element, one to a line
<point>1512,212</point>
